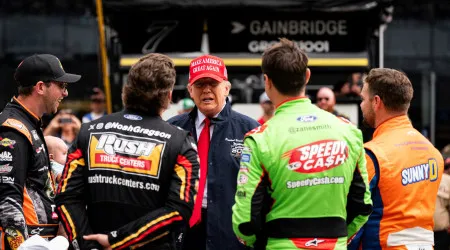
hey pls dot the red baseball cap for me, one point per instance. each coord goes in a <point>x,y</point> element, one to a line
<point>207,66</point>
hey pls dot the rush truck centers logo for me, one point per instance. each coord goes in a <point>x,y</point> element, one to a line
<point>317,156</point>
<point>129,154</point>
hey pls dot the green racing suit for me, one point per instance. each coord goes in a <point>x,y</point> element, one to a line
<point>302,181</point>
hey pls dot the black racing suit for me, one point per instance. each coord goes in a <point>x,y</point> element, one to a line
<point>130,176</point>
<point>26,186</point>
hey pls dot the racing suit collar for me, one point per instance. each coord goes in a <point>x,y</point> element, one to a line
<point>396,122</point>
<point>292,101</point>
<point>140,113</point>
<point>32,116</point>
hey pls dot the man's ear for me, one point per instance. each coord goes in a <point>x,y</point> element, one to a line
<point>170,96</point>
<point>307,75</point>
<point>268,84</point>
<point>51,156</point>
<point>377,103</point>
<point>227,88</point>
<point>40,87</point>
<point>189,87</point>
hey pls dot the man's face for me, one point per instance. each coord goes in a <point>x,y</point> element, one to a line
<point>366,107</point>
<point>98,105</point>
<point>53,96</point>
<point>209,95</point>
<point>325,100</point>
<point>268,107</point>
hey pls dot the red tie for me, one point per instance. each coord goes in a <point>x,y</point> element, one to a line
<point>203,149</point>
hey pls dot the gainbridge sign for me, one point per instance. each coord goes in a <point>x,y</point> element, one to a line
<point>128,154</point>
<point>314,32</point>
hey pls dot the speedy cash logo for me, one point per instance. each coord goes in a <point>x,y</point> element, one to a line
<point>129,154</point>
<point>318,156</point>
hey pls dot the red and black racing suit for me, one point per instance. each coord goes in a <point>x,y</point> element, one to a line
<point>26,185</point>
<point>130,176</point>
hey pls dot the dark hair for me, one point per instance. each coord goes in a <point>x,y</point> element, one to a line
<point>337,87</point>
<point>149,82</point>
<point>392,86</point>
<point>27,90</point>
<point>286,64</point>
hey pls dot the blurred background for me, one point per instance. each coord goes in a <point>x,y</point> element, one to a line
<point>344,39</point>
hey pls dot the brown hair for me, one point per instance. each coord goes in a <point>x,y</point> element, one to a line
<point>149,82</point>
<point>27,90</point>
<point>285,64</point>
<point>392,86</point>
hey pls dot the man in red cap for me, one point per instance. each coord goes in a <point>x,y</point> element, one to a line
<point>219,132</point>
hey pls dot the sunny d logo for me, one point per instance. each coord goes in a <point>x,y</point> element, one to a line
<point>317,156</point>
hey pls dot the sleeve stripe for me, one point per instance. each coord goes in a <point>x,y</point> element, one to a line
<point>138,245</point>
<point>181,172</point>
<point>183,161</point>
<point>28,208</point>
<point>374,181</point>
<point>68,223</point>
<point>147,229</point>
<point>73,165</point>
<point>67,171</point>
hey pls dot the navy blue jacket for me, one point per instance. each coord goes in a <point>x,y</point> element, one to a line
<point>223,166</point>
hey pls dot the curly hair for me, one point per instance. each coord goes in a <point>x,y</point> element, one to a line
<point>149,83</point>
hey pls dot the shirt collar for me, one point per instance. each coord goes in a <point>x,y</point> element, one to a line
<point>290,102</point>
<point>201,117</point>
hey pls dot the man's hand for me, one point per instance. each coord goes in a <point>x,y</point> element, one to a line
<point>100,238</point>
<point>61,231</point>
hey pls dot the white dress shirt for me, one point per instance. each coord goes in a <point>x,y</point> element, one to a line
<point>199,124</point>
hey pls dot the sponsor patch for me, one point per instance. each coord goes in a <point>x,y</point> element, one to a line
<point>132,117</point>
<point>6,142</point>
<point>4,169</point>
<point>7,180</point>
<point>5,156</point>
<point>307,118</point>
<point>40,149</point>
<point>35,135</point>
<point>14,237</point>
<point>17,125</point>
<point>243,169</point>
<point>317,156</point>
<point>37,231</point>
<point>241,194</point>
<point>236,147</point>
<point>243,179</point>
<point>129,154</point>
<point>314,243</point>
<point>246,158</point>
<point>422,172</point>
